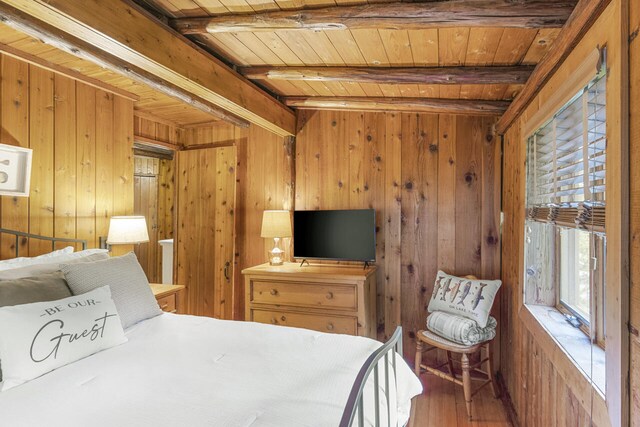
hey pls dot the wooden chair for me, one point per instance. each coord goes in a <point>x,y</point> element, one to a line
<point>427,341</point>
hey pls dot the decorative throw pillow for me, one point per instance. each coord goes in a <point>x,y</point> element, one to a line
<point>38,338</point>
<point>49,287</point>
<point>41,269</point>
<point>129,285</point>
<point>465,297</point>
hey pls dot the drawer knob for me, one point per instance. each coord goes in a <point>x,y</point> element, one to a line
<point>164,306</point>
<point>329,295</point>
<point>274,292</point>
<point>330,326</point>
<point>284,319</point>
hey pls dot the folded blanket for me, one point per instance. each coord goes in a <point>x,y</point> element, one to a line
<point>460,329</point>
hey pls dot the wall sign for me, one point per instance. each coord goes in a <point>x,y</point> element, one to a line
<point>15,170</point>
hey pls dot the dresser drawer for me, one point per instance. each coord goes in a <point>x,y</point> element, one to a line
<point>321,323</point>
<point>168,303</point>
<point>300,294</point>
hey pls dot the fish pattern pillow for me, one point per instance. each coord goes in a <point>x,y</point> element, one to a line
<point>468,298</point>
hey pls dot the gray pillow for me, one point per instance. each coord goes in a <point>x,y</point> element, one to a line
<point>40,269</point>
<point>130,288</point>
<point>48,287</point>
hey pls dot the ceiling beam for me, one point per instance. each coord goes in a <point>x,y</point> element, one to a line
<point>20,21</point>
<point>67,72</point>
<point>415,105</point>
<point>394,75</point>
<point>122,37</point>
<point>396,15</point>
<point>584,15</point>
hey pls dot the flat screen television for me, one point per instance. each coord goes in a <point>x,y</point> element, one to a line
<point>346,235</point>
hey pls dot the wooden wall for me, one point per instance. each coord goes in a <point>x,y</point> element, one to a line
<point>634,97</point>
<point>149,128</point>
<point>264,181</point>
<point>82,155</point>
<point>434,181</point>
<point>546,389</point>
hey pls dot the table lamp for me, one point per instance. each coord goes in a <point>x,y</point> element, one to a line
<point>126,230</point>
<point>276,225</point>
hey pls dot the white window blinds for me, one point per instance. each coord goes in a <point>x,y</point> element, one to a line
<point>566,163</point>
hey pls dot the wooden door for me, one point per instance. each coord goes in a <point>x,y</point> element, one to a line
<point>145,181</point>
<point>205,229</point>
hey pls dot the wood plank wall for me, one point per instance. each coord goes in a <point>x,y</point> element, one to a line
<point>634,97</point>
<point>153,128</point>
<point>434,181</point>
<point>263,181</point>
<point>82,161</point>
<point>544,386</point>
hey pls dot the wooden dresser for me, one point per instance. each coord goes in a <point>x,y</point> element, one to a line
<point>326,298</point>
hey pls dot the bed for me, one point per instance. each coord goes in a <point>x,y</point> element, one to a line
<point>193,371</point>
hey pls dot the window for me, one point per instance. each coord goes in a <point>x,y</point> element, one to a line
<point>581,277</point>
<point>566,194</point>
<point>575,272</point>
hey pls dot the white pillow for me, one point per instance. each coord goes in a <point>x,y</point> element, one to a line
<point>38,338</point>
<point>22,261</point>
<point>49,259</point>
<point>40,269</point>
<point>67,250</point>
<point>472,299</point>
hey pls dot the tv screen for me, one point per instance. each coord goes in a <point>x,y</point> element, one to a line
<point>348,235</point>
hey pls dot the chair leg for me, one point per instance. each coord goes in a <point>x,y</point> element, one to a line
<point>450,363</point>
<point>418,357</point>
<point>494,386</point>
<point>466,383</point>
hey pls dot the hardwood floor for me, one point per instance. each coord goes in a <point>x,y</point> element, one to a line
<point>442,405</point>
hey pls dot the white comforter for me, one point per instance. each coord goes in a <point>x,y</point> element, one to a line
<point>196,371</point>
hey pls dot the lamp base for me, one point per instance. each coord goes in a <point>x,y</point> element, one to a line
<point>275,261</point>
<point>276,255</point>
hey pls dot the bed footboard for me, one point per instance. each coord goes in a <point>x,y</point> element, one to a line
<point>355,404</point>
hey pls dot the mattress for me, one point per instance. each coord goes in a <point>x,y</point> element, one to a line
<point>178,370</point>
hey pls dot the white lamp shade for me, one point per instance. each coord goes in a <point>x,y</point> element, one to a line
<point>276,224</point>
<point>124,230</point>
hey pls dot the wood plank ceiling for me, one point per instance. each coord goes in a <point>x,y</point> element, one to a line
<point>151,101</point>
<point>432,47</point>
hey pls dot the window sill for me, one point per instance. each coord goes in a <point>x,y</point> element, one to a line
<point>575,345</point>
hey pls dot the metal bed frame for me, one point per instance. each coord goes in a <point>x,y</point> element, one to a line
<point>53,240</point>
<point>355,403</point>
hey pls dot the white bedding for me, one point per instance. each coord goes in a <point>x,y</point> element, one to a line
<point>196,371</point>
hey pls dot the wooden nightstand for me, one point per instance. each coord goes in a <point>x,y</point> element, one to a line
<point>169,297</point>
